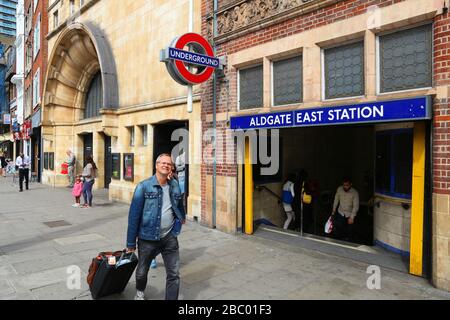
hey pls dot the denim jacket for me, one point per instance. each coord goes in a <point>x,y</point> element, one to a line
<point>144,219</point>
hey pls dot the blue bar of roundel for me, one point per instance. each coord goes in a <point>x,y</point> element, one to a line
<point>380,111</point>
<point>173,52</point>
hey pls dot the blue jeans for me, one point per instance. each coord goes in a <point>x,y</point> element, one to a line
<point>147,251</point>
<point>87,192</point>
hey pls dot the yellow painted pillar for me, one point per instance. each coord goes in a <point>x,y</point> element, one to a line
<point>248,171</point>
<point>418,190</point>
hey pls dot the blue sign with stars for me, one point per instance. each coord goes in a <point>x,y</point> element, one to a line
<point>380,111</point>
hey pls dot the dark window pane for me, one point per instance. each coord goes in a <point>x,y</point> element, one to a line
<point>403,153</point>
<point>287,81</point>
<point>251,88</point>
<point>406,59</point>
<point>344,71</point>
<point>383,163</point>
<point>94,98</point>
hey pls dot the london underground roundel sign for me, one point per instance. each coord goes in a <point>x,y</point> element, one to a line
<point>192,66</point>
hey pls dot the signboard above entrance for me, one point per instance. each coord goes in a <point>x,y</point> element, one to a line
<point>380,111</point>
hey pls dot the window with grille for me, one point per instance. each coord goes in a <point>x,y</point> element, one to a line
<point>344,71</point>
<point>406,59</point>
<point>251,88</point>
<point>94,98</point>
<point>287,81</point>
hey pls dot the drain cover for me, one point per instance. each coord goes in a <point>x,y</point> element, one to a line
<point>55,224</point>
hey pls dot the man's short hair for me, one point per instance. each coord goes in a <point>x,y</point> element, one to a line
<point>346,179</point>
<point>164,155</point>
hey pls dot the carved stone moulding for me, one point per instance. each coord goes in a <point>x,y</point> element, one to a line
<point>241,17</point>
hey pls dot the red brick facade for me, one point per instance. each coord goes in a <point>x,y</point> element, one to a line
<point>40,62</point>
<point>338,11</point>
<point>441,121</point>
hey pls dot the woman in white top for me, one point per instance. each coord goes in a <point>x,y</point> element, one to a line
<point>89,173</point>
<point>288,198</point>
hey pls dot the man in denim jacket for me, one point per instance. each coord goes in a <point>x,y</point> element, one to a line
<point>155,219</point>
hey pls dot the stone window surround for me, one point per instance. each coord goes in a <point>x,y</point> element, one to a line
<point>313,41</point>
<point>378,67</point>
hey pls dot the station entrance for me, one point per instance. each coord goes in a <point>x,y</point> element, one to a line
<point>379,160</point>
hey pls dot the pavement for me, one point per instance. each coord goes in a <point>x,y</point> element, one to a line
<point>42,262</point>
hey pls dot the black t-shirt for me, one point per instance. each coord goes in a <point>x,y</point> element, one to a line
<point>3,163</point>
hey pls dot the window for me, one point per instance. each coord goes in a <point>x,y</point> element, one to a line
<point>144,131</point>
<point>94,98</point>
<point>28,22</point>
<point>72,7</point>
<point>131,135</point>
<point>36,88</point>
<point>287,81</point>
<point>37,37</point>
<point>344,71</point>
<point>251,88</point>
<point>29,57</point>
<point>55,19</point>
<point>406,59</point>
<point>394,152</point>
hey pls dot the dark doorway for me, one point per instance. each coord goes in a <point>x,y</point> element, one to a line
<point>162,143</point>
<point>108,161</point>
<point>36,153</point>
<point>87,147</point>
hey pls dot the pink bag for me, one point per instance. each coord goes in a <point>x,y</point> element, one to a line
<point>329,225</point>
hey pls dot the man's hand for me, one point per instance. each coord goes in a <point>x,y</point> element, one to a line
<point>350,221</point>
<point>183,221</point>
<point>131,250</point>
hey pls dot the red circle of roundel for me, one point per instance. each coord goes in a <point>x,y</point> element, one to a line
<point>181,43</point>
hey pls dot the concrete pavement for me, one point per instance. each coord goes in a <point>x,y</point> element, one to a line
<point>38,261</point>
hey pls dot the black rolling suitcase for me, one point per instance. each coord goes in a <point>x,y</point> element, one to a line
<point>110,272</point>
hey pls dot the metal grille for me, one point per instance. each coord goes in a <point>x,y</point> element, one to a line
<point>251,88</point>
<point>94,98</point>
<point>287,81</point>
<point>406,59</point>
<point>344,71</point>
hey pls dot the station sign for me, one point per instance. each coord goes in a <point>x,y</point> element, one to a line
<point>372,112</point>
<point>192,66</point>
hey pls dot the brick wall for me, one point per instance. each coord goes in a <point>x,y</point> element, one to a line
<point>41,60</point>
<point>227,91</point>
<point>441,121</point>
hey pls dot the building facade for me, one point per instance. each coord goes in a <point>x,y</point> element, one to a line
<point>325,74</point>
<point>7,19</point>
<point>107,94</point>
<point>35,56</point>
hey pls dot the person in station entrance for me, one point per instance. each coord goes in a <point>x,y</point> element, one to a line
<point>345,208</point>
<point>288,199</point>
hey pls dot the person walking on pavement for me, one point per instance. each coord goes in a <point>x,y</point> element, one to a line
<point>23,163</point>
<point>89,174</point>
<point>71,161</point>
<point>154,222</point>
<point>3,165</point>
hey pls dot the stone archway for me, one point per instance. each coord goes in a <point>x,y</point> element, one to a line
<point>81,51</point>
